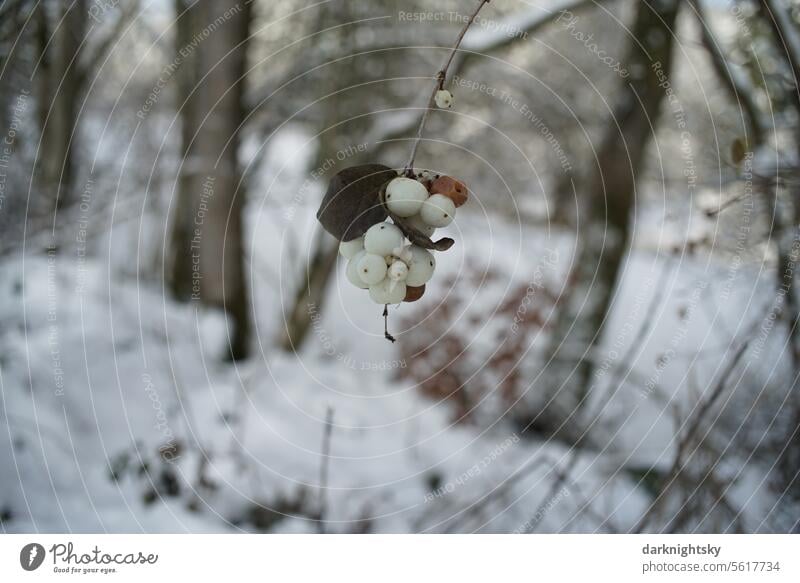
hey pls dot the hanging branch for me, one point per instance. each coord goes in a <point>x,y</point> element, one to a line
<point>438,85</point>
<point>409,169</point>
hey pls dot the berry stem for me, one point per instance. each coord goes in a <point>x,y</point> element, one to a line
<point>416,236</point>
<point>440,78</point>
<point>386,334</point>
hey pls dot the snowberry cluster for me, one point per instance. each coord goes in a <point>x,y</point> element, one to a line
<point>383,260</point>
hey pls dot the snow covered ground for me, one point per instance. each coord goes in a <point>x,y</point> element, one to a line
<point>119,415</point>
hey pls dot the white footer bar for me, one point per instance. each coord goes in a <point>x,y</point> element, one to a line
<point>400,558</point>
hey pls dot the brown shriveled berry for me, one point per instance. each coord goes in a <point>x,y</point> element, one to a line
<point>453,189</point>
<point>414,293</point>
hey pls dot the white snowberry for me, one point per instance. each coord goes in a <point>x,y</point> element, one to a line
<point>398,271</point>
<point>388,292</point>
<point>402,253</point>
<point>444,99</point>
<point>405,196</point>
<point>438,211</point>
<point>420,225</point>
<point>420,270</point>
<point>348,249</point>
<point>382,239</point>
<point>352,271</point>
<point>372,268</point>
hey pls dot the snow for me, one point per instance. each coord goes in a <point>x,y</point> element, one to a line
<point>141,371</point>
<point>119,412</point>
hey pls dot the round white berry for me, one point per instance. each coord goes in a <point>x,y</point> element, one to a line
<point>400,253</point>
<point>383,238</point>
<point>352,271</point>
<point>372,268</point>
<point>438,211</point>
<point>421,226</point>
<point>444,99</point>
<point>403,254</point>
<point>397,271</point>
<point>348,249</point>
<point>420,269</point>
<point>387,292</point>
<point>405,196</point>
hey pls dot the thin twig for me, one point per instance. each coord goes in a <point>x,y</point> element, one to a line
<point>621,372</point>
<point>717,489</point>
<point>678,466</point>
<point>583,504</point>
<point>706,405</point>
<point>386,334</point>
<point>440,79</point>
<point>711,213</point>
<point>413,234</point>
<point>324,468</point>
<point>475,507</point>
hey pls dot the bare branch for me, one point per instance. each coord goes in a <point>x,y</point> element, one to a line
<point>688,438</point>
<point>438,85</point>
<point>734,84</point>
<point>104,46</point>
<point>785,40</point>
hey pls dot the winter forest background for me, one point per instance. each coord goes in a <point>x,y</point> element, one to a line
<point>610,346</point>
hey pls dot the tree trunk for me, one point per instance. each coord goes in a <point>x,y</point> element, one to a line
<point>310,294</point>
<point>42,78</point>
<point>188,24</point>
<point>60,85</point>
<point>607,206</point>
<point>208,228</point>
<point>776,16</point>
<point>15,67</point>
<point>784,230</point>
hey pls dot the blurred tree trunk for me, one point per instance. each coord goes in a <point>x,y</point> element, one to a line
<point>608,200</point>
<point>311,293</point>
<point>59,87</point>
<point>786,232</point>
<point>42,78</point>
<point>207,238</point>
<point>778,19</point>
<point>188,23</point>
<point>15,66</point>
<point>311,289</point>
